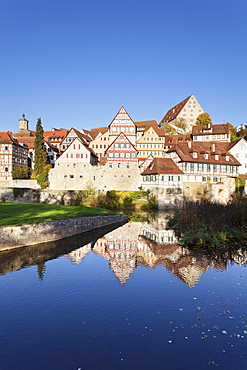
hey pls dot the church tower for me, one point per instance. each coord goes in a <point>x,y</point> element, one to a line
<point>23,124</point>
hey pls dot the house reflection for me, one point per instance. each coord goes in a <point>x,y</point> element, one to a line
<point>134,244</point>
<point>150,245</point>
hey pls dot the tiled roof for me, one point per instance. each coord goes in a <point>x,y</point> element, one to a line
<point>49,135</point>
<point>161,165</point>
<point>185,152</point>
<point>95,131</point>
<point>210,129</point>
<point>7,138</point>
<point>29,141</point>
<point>83,137</point>
<point>174,111</point>
<point>145,124</point>
<point>172,139</point>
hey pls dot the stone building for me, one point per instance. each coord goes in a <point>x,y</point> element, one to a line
<point>188,109</point>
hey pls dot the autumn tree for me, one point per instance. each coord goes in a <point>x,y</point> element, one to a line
<point>40,155</point>
<point>204,119</point>
<point>180,122</point>
<point>169,129</point>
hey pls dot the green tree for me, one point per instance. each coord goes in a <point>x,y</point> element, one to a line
<point>204,119</point>
<point>40,155</point>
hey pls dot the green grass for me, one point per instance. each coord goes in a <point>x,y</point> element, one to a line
<point>16,214</point>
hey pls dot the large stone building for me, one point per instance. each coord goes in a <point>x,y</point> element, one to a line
<point>188,109</point>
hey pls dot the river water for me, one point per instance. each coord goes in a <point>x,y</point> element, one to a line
<point>128,298</point>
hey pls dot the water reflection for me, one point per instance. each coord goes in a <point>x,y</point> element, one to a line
<point>146,244</point>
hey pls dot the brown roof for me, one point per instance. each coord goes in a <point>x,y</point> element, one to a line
<point>144,124</point>
<point>185,152</point>
<point>172,139</point>
<point>174,111</point>
<point>83,137</point>
<point>95,131</point>
<point>210,129</point>
<point>161,165</point>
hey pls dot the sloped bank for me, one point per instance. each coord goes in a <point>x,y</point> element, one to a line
<point>20,236</point>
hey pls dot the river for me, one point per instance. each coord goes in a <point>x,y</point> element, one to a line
<point>128,298</point>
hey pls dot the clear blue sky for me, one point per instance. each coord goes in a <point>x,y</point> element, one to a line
<point>74,63</point>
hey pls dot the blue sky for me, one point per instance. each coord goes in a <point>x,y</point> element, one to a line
<point>74,63</point>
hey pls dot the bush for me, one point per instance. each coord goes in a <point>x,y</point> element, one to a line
<point>20,172</point>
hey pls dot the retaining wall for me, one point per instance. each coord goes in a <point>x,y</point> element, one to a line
<point>20,236</point>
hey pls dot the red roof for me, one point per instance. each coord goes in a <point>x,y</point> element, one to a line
<point>161,165</point>
<point>7,138</point>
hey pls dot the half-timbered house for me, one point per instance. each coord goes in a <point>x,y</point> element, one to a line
<point>121,150</point>
<point>122,123</point>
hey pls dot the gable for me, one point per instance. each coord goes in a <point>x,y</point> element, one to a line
<point>121,144</point>
<point>122,122</point>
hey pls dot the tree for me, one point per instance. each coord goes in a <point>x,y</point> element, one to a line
<point>180,122</point>
<point>204,119</point>
<point>169,129</point>
<point>40,155</point>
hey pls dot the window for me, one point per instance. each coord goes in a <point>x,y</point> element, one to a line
<point>6,147</point>
<point>71,176</point>
<point>6,169</point>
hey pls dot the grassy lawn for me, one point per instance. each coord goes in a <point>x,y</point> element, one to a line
<point>16,214</point>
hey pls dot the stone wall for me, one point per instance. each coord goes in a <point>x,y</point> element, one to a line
<point>77,176</point>
<point>27,183</point>
<point>19,236</point>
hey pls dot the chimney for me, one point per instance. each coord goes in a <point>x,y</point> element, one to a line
<point>213,147</point>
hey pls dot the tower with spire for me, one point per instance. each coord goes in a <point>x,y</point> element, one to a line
<point>23,124</point>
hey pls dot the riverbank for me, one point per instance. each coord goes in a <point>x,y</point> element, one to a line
<point>210,225</point>
<point>20,236</point>
<point>17,214</point>
<point>25,224</point>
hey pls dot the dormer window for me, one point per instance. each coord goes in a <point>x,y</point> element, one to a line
<point>227,157</point>
<point>216,157</point>
<point>206,155</point>
<point>194,154</point>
